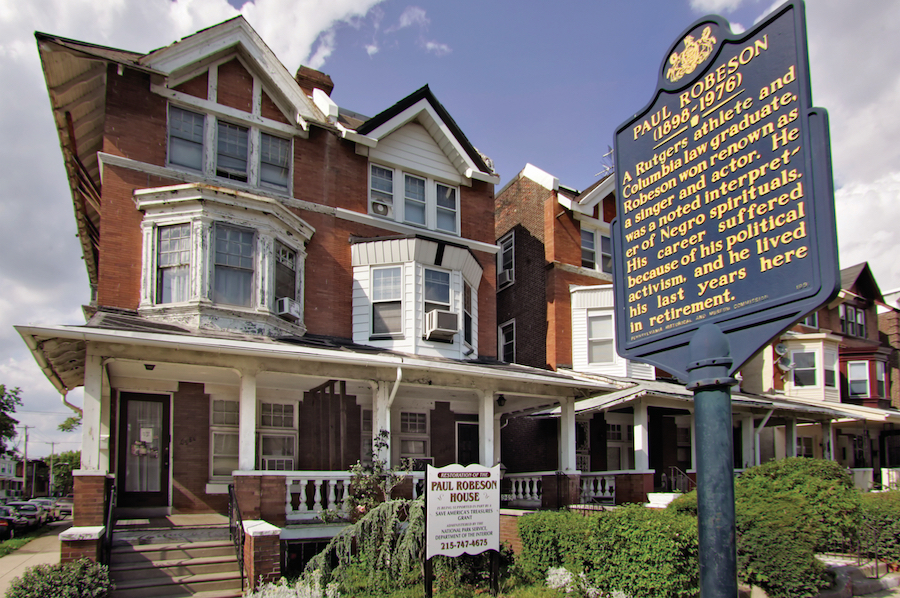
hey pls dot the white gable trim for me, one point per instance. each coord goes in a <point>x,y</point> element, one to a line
<point>237,33</point>
<point>425,113</point>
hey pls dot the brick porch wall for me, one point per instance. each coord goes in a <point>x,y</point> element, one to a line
<point>79,549</point>
<point>262,553</point>
<point>509,528</point>
<point>560,491</point>
<point>90,498</point>
<point>633,488</point>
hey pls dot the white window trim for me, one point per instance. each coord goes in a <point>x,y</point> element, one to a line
<point>472,313</point>
<point>415,436</point>
<point>881,379</point>
<point>599,235</point>
<point>816,368</point>
<point>501,337</point>
<point>295,415</point>
<point>606,313</point>
<point>386,335</point>
<point>398,207</point>
<point>868,392</point>
<point>276,433</point>
<point>830,358</point>
<point>449,306</point>
<point>510,240</point>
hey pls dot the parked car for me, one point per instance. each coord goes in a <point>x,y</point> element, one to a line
<point>32,511</point>
<point>64,505</point>
<point>49,504</point>
<point>12,523</point>
<point>28,511</point>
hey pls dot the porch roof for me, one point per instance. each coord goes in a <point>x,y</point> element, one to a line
<point>631,389</point>
<point>61,353</point>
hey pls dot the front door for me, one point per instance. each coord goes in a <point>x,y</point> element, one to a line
<point>143,450</point>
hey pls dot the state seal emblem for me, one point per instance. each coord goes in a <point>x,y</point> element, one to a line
<point>694,53</point>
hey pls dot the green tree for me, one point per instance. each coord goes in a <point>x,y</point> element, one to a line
<point>63,465</point>
<point>9,400</point>
<point>70,424</point>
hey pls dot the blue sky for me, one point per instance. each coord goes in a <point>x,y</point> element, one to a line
<point>527,81</point>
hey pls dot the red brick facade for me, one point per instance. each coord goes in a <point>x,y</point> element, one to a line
<point>79,549</point>
<point>90,497</point>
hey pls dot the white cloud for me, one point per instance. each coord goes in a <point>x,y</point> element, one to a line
<point>324,48</point>
<point>372,49</point>
<point>413,15</point>
<point>438,49</point>
<point>715,6</point>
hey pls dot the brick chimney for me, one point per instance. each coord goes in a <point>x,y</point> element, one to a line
<point>310,79</point>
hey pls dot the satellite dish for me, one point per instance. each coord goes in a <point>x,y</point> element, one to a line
<point>781,349</point>
<point>785,364</point>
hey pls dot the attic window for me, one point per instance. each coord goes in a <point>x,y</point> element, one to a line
<point>231,152</point>
<point>186,138</point>
<point>415,200</point>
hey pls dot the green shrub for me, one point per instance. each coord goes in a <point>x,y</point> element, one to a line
<point>831,498</point>
<point>78,579</point>
<point>552,539</point>
<point>644,552</point>
<point>880,532</point>
<point>686,504</point>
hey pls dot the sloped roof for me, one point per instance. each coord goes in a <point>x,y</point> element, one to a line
<point>860,277</point>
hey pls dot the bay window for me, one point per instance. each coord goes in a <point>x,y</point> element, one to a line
<point>858,378</point>
<point>173,263</point>
<point>437,290</point>
<point>804,372</point>
<point>880,386</point>
<point>387,288</point>
<point>600,338</point>
<point>467,313</point>
<point>285,271</point>
<point>234,266</point>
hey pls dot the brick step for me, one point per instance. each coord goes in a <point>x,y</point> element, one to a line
<point>165,552</point>
<point>174,567</point>
<point>229,584</point>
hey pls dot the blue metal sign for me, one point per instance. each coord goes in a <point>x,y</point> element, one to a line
<point>725,206</point>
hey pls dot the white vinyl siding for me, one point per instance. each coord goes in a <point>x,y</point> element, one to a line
<point>413,149</point>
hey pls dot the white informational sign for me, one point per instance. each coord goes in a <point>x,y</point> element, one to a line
<point>146,434</point>
<point>463,510</point>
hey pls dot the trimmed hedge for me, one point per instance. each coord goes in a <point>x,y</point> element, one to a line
<point>880,532</point>
<point>78,579</point>
<point>632,549</point>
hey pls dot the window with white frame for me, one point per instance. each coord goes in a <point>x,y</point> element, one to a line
<point>804,372</point>
<point>507,341</point>
<point>366,436</point>
<point>858,378</point>
<point>594,255</point>
<point>224,449</point>
<point>387,289</point>
<point>853,320</point>
<point>276,415</point>
<point>437,290</point>
<point>880,385</point>
<point>811,320</point>
<point>831,369</point>
<point>419,201</point>
<point>173,263</point>
<point>234,265</point>
<point>413,435</point>
<point>236,147</point>
<point>467,314</point>
<point>285,271</point>
<point>600,338</point>
<point>506,273</point>
<point>225,413</point>
<point>276,451</point>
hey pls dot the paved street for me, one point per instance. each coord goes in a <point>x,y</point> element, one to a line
<point>42,550</point>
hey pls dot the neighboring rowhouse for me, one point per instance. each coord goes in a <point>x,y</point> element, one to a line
<point>820,390</point>
<point>275,279</point>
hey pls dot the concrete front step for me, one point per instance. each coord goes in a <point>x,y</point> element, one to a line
<point>124,554</point>
<point>183,585</point>
<point>174,568</point>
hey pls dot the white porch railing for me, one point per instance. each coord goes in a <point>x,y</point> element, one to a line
<point>525,488</point>
<point>599,487</point>
<point>317,491</point>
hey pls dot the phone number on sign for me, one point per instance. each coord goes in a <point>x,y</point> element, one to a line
<point>463,544</point>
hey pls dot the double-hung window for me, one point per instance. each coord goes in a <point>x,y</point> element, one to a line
<point>186,138</point>
<point>277,439</point>
<point>437,290</point>
<point>234,266</point>
<point>804,372</point>
<point>285,271</point>
<point>600,338</point>
<point>274,160</point>
<point>414,199</point>
<point>413,435</point>
<point>880,385</point>
<point>173,263</point>
<point>467,313</point>
<point>446,208</point>
<point>414,195</point>
<point>858,378</point>
<point>224,442</point>
<point>590,256</point>
<point>232,151</point>
<point>853,320</point>
<point>507,341</point>
<point>506,273</point>
<point>387,289</point>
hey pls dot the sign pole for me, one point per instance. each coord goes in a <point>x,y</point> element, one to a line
<point>709,379</point>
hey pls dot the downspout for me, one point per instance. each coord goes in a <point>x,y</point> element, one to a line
<point>396,387</point>
<point>74,408</point>
<point>758,430</point>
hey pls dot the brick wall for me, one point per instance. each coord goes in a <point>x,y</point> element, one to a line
<point>558,491</point>
<point>79,549</point>
<point>197,87</point>
<point>90,498</point>
<point>529,444</point>
<point>190,452</point>
<point>234,86</point>
<point>633,488</point>
<point>272,499</point>
<point>443,434</point>
<point>509,529</point>
<point>331,439</point>
<point>262,560</point>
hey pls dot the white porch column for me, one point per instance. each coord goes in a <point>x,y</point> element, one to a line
<point>748,450</point>
<point>641,437</point>
<point>497,433</point>
<point>486,428</point>
<point>247,429</point>
<point>567,461</point>
<point>790,438</point>
<point>381,418</point>
<point>828,449</point>
<point>92,417</point>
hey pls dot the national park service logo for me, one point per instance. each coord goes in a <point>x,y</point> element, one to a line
<point>694,53</point>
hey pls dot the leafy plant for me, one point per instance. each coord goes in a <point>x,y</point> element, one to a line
<point>373,483</point>
<point>77,579</point>
<point>880,531</point>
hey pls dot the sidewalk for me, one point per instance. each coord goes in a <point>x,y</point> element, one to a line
<point>42,550</point>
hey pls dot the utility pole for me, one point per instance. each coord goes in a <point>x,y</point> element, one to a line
<point>52,447</point>
<point>25,462</point>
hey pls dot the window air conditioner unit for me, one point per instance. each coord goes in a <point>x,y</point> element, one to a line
<point>440,325</point>
<point>382,209</point>
<point>505,278</point>
<point>288,308</point>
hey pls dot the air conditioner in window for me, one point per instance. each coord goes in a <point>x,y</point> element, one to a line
<point>382,209</point>
<point>277,464</point>
<point>504,278</point>
<point>288,308</point>
<point>440,324</point>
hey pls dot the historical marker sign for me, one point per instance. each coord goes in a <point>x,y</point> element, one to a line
<point>725,207</point>
<point>463,510</point>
